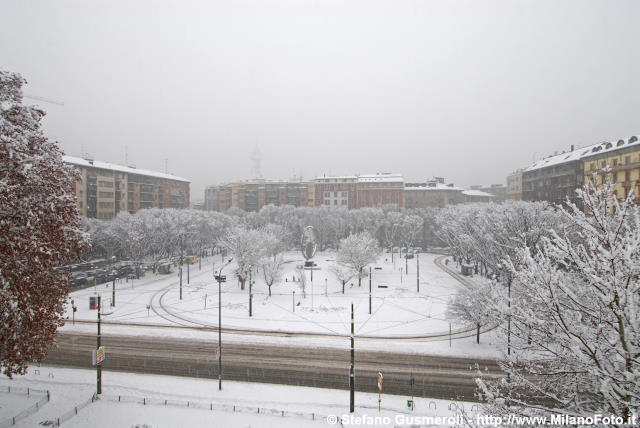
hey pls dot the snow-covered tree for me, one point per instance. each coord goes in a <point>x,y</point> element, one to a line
<point>247,248</point>
<point>302,281</point>
<point>40,231</point>
<point>343,273</point>
<point>575,331</point>
<point>410,229</point>
<point>473,305</point>
<point>392,227</point>
<point>358,251</point>
<point>272,261</point>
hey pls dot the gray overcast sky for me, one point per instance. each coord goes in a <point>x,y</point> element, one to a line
<point>469,90</point>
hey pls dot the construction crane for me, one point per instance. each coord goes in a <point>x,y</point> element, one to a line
<point>46,100</point>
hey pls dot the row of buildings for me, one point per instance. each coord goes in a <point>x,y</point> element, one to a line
<point>556,178</point>
<point>349,191</point>
<point>105,189</point>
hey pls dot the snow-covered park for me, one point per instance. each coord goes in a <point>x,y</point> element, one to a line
<point>398,310</point>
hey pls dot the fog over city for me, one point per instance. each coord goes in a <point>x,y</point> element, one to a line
<point>466,90</point>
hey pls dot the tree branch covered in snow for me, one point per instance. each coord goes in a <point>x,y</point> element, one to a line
<point>40,231</point>
<point>575,329</point>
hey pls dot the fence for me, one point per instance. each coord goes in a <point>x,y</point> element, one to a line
<point>44,399</point>
<point>213,407</point>
<point>71,413</point>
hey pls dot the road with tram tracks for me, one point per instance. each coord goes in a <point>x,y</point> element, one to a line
<point>436,377</point>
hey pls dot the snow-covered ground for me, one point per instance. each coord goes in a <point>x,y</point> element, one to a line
<point>416,321</point>
<point>189,402</point>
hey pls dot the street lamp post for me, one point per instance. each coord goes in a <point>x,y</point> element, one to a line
<point>220,325</point>
<point>98,365</point>
<point>369,290</point>
<point>417,272</point>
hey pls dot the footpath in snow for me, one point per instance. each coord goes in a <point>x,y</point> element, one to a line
<point>137,400</point>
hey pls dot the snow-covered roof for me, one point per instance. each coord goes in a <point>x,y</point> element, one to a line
<point>120,168</point>
<point>365,178</point>
<point>577,154</point>
<point>368,178</point>
<point>478,193</point>
<point>434,187</point>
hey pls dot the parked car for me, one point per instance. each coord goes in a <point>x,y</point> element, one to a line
<point>78,279</point>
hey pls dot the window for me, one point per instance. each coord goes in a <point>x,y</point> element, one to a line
<point>627,160</point>
<point>627,176</point>
<point>593,166</point>
<point>335,202</point>
<point>344,194</point>
<point>105,194</point>
<point>344,202</point>
<point>615,162</point>
<point>327,202</point>
<point>614,177</point>
<point>602,164</point>
<point>335,194</point>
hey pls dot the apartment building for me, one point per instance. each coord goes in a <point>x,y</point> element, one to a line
<point>351,192</point>
<point>623,159</point>
<point>105,189</point>
<point>556,178</point>
<point>361,190</point>
<point>254,194</point>
<point>435,193</point>
<point>514,186</point>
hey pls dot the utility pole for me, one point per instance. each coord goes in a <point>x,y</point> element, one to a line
<point>181,245</point>
<point>406,261</point>
<point>509,334</point>
<point>369,290</point>
<point>352,379</point>
<point>250,295</point>
<point>99,365</point>
<point>188,270</point>
<point>417,272</point>
<point>113,293</point>
<point>220,324</point>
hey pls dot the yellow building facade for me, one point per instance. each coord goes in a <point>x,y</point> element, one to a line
<point>623,157</point>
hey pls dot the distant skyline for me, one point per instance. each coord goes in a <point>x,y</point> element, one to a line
<point>466,90</point>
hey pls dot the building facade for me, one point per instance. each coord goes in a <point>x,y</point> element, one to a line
<point>351,192</point>
<point>514,186</point>
<point>435,193</point>
<point>254,194</point>
<point>432,193</point>
<point>556,178</point>
<point>623,159</point>
<point>497,192</point>
<point>359,191</point>
<point>105,189</point>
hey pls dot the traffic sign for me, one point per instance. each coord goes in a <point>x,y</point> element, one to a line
<point>98,356</point>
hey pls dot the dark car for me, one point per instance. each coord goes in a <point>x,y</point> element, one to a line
<point>78,279</point>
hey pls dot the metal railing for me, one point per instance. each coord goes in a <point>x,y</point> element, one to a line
<point>44,399</point>
<point>230,408</point>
